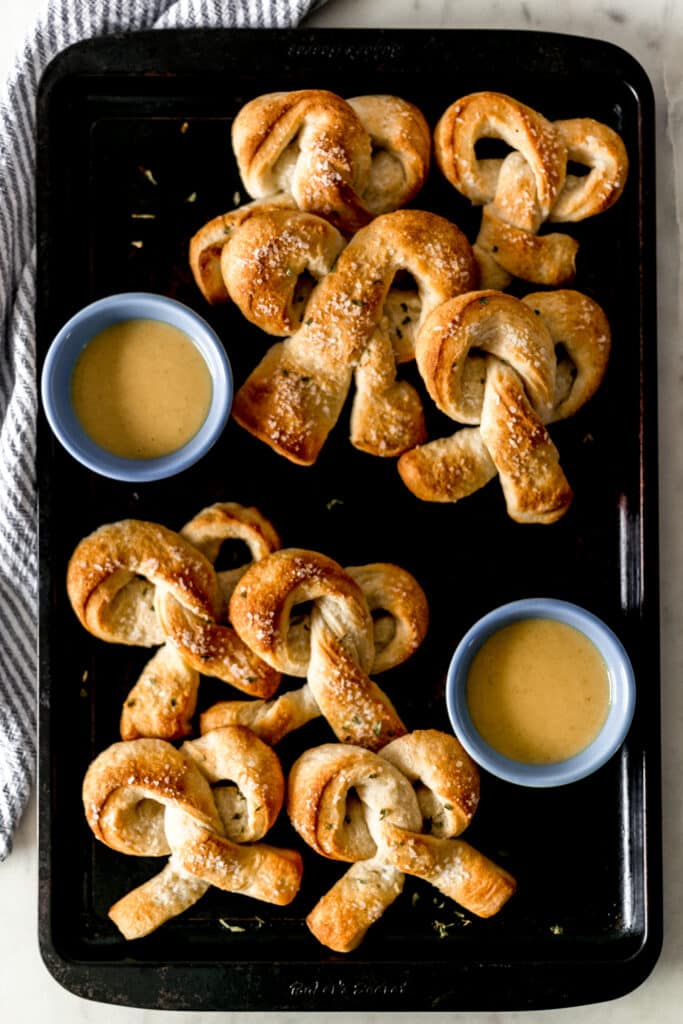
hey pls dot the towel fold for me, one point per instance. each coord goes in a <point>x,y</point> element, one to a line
<point>63,22</point>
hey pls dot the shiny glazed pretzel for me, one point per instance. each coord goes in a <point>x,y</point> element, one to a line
<point>353,324</point>
<point>531,185</point>
<point>400,614</point>
<point>138,583</point>
<point>347,161</point>
<point>145,798</point>
<point>490,359</point>
<point>370,809</point>
<point>337,652</point>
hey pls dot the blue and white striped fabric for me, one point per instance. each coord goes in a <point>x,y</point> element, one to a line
<point>64,22</point>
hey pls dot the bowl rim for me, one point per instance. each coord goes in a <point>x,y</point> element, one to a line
<point>69,342</point>
<point>622,694</point>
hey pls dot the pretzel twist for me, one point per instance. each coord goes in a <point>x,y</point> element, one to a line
<point>214,648</point>
<point>400,615</point>
<point>529,186</point>
<point>266,260</point>
<point>153,608</point>
<point>145,798</point>
<point>346,161</point>
<point>512,388</point>
<point>112,573</point>
<point>294,397</point>
<point>352,805</point>
<point>207,244</point>
<point>164,698</point>
<point>340,652</point>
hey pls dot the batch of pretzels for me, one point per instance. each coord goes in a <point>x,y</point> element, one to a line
<point>314,259</point>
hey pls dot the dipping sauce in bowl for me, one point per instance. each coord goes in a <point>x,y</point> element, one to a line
<point>137,386</point>
<point>540,692</point>
<point>141,388</point>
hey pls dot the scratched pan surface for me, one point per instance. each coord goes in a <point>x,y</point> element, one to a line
<point>140,125</point>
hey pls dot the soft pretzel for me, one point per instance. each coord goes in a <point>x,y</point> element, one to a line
<point>346,161</point>
<point>213,647</point>
<point>164,698</point>
<point>340,650</point>
<point>145,798</point>
<point>294,397</point>
<point>600,148</point>
<point>272,263</point>
<point>512,387</point>
<point>353,805</point>
<point>400,616</point>
<point>149,609</point>
<point>530,185</point>
<point>106,563</point>
<point>207,244</point>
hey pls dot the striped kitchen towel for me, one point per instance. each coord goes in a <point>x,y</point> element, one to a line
<point>63,22</point>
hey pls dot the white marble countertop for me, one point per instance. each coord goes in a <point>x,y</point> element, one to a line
<point>652,30</point>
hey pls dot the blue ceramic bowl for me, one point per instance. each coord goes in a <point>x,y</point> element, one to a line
<point>67,347</point>
<point>621,683</point>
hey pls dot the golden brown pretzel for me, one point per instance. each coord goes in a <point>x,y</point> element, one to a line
<point>164,698</point>
<point>295,395</point>
<point>207,244</point>
<point>145,798</point>
<point>512,388</point>
<point>345,161</point>
<point>271,264</point>
<point>530,185</point>
<point>400,616</point>
<point>213,647</point>
<point>340,652</point>
<point>106,563</point>
<point>152,608</point>
<point>352,805</point>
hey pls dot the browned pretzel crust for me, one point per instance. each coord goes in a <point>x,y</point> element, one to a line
<point>531,185</point>
<point>346,161</point>
<point>400,618</point>
<point>340,653</point>
<point>145,798</point>
<point>352,805</point>
<point>490,359</point>
<point>295,395</point>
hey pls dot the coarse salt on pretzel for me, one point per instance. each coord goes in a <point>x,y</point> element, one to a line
<point>207,244</point>
<point>400,615</point>
<point>340,653</point>
<point>143,797</point>
<point>530,185</point>
<point>369,809</point>
<point>491,359</point>
<point>295,395</point>
<point>164,697</point>
<point>105,563</point>
<point>272,262</point>
<point>346,161</point>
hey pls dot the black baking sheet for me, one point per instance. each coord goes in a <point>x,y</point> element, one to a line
<point>140,124</point>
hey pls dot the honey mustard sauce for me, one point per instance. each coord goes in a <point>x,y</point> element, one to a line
<point>141,388</point>
<point>538,691</point>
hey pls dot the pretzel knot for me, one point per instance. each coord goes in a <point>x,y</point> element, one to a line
<point>530,185</point>
<point>489,358</point>
<point>352,805</point>
<point>340,652</point>
<point>400,615</point>
<point>353,323</point>
<point>265,256</point>
<point>134,582</point>
<point>347,161</point>
<point>145,798</point>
